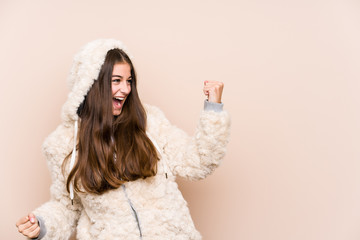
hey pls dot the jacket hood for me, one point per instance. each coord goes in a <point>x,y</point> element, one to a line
<point>84,72</point>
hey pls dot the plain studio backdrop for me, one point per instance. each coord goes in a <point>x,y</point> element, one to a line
<point>292,81</point>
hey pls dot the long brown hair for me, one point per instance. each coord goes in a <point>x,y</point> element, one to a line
<point>111,149</point>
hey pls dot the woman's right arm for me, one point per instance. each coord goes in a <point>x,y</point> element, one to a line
<point>57,216</point>
<point>30,227</point>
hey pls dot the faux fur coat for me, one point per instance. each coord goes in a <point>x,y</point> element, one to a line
<point>149,209</point>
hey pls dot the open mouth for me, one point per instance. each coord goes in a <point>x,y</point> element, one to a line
<point>117,102</point>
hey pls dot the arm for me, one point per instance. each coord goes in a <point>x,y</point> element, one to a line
<point>197,156</point>
<point>58,217</point>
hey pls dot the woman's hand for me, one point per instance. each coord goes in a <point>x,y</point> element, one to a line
<point>213,90</point>
<point>28,226</point>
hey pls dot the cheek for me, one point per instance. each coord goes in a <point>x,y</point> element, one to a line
<point>113,89</point>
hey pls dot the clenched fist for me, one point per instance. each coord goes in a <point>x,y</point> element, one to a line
<point>28,226</point>
<point>213,90</point>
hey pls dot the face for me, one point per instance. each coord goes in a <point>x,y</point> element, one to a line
<point>120,85</point>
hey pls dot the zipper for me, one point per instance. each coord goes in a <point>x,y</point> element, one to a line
<point>134,210</point>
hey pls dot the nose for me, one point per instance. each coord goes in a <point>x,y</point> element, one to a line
<point>124,87</point>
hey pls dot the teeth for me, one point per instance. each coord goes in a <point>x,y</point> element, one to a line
<point>118,98</point>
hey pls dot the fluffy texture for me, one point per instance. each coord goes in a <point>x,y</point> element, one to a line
<point>84,71</point>
<point>161,209</point>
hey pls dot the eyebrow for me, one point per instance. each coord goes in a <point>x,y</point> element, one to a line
<point>116,76</point>
<point>119,76</point>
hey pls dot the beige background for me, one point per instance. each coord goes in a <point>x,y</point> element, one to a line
<point>291,71</point>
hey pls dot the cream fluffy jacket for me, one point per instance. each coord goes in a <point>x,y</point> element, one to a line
<point>161,209</point>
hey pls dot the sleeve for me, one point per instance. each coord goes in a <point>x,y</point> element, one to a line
<point>42,228</point>
<point>195,157</point>
<point>58,216</point>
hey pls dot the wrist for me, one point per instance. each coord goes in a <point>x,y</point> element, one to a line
<point>213,106</point>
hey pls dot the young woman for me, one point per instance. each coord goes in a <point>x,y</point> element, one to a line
<point>114,161</point>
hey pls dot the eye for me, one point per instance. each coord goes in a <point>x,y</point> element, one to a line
<point>129,81</point>
<point>117,80</point>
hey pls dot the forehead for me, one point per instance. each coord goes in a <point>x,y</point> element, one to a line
<point>122,69</point>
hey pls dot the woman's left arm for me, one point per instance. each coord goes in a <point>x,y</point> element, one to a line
<point>197,156</point>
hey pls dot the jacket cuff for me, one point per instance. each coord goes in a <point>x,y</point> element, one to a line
<point>212,106</point>
<point>42,228</point>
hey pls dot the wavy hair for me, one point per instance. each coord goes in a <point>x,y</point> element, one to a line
<point>111,149</point>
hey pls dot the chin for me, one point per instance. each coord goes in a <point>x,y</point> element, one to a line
<point>116,113</point>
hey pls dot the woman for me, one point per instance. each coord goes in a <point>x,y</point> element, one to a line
<point>113,177</point>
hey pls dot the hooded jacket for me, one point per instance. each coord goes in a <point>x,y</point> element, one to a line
<point>149,209</point>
